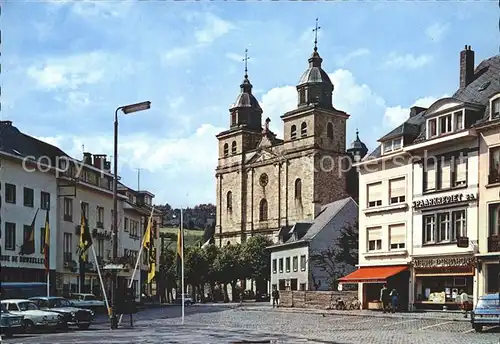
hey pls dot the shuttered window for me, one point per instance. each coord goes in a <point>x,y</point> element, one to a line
<point>397,190</point>
<point>375,239</point>
<point>429,176</point>
<point>445,174</point>
<point>397,235</point>
<point>460,171</point>
<point>375,195</point>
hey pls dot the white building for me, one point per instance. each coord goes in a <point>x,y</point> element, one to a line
<point>436,150</point>
<point>293,266</point>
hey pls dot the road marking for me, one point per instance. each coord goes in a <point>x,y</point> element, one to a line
<point>426,327</point>
<point>471,330</point>
<point>399,322</point>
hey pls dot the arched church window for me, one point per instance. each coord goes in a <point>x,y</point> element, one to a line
<point>226,149</point>
<point>293,132</point>
<point>303,129</point>
<point>329,131</point>
<point>233,147</point>
<point>298,189</point>
<point>229,201</point>
<point>263,210</point>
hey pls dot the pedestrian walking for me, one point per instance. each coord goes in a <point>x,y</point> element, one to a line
<point>384,298</point>
<point>464,302</point>
<point>276,297</point>
<point>394,295</point>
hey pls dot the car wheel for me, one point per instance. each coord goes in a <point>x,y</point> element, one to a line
<point>83,326</point>
<point>28,325</point>
<point>478,328</point>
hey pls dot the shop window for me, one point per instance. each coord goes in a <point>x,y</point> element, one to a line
<point>429,177</point>
<point>293,132</point>
<point>303,263</point>
<point>375,239</point>
<point>281,284</point>
<point>397,191</point>
<point>397,236</point>
<point>287,264</point>
<point>281,264</point>
<point>374,195</point>
<point>274,266</point>
<point>492,272</point>
<point>459,171</point>
<point>294,284</point>
<point>295,263</point>
<point>429,223</point>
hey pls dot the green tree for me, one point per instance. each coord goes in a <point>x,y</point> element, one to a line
<point>347,244</point>
<point>257,259</point>
<point>211,253</point>
<point>229,268</point>
<point>195,269</point>
<point>167,272</point>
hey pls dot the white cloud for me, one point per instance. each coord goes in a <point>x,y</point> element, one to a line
<point>235,57</point>
<point>341,61</point>
<point>437,31</point>
<point>74,71</point>
<point>409,61</point>
<point>395,115</point>
<point>176,54</point>
<point>214,27</point>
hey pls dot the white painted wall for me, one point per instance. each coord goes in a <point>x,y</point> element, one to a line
<point>302,276</point>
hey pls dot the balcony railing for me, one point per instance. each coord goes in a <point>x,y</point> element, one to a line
<point>494,243</point>
<point>494,177</point>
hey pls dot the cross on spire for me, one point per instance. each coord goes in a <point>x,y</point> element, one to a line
<point>316,35</point>
<point>246,62</point>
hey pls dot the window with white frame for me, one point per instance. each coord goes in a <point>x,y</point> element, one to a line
<point>393,145</point>
<point>495,108</point>
<point>443,227</point>
<point>374,235</point>
<point>459,172</point>
<point>429,177</point>
<point>494,172</point>
<point>274,266</point>
<point>445,174</point>
<point>494,219</point>
<point>397,236</point>
<point>429,224</point>
<point>459,224</point>
<point>374,192</point>
<point>281,264</point>
<point>459,120</point>
<point>445,124</point>
<point>303,263</point>
<point>431,128</point>
<point>397,191</point>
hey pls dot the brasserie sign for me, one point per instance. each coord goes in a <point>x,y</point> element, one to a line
<point>21,259</point>
<point>443,262</point>
<point>443,200</point>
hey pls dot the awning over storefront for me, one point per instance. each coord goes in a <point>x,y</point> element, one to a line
<point>373,274</point>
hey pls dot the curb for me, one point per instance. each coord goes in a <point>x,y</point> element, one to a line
<point>326,312</point>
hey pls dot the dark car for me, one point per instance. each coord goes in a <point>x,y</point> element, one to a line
<point>82,318</point>
<point>486,312</point>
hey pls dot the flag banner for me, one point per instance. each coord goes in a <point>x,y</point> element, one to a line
<point>152,263</point>
<point>46,249</point>
<point>147,236</point>
<point>85,236</point>
<point>180,248</point>
<point>28,246</point>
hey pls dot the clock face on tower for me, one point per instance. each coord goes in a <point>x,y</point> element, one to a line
<point>263,180</point>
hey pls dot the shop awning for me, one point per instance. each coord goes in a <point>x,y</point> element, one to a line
<point>373,274</point>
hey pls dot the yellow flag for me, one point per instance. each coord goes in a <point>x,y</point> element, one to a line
<point>147,236</point>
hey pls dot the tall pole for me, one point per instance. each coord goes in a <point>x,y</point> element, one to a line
<point>114,323</point>
<point>138,179</point>
<point>182,264</point>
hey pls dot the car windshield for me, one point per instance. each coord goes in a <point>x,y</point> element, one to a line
<point>59,303</point>
<point>488,304</point>
<point>27,306</point>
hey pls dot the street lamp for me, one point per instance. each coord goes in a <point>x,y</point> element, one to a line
<point>126,110</point>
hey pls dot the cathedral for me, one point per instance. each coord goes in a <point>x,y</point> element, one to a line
<point>266,184</point>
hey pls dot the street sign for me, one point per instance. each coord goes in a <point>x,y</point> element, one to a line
<point>463,242</point>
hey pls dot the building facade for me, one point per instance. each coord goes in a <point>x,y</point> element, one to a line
<point>265,183</point>
<point>449,199</point>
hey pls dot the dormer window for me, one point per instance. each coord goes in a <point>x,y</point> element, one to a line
<point>393,145</point>
<point>495,108</point>
<point>445,124</point>
<point>459,120</point>
<point>432,128</point>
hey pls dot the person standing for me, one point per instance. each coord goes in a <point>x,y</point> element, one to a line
<point>384,298</point>
<point>394,295</point>
<point>464,302</point>
<point>276,297</point>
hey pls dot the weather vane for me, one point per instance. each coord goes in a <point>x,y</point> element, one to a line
<point>316,35</point>
<point>246,62</point>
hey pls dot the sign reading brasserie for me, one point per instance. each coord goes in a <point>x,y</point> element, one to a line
<point>21,259</point>
<point>441,200</point>
<point>443,262</point>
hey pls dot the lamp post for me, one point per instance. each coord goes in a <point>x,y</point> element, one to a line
<point>126,110</point>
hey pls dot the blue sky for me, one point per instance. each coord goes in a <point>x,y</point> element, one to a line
<point>67,65</point>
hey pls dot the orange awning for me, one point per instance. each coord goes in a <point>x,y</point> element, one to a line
<point>373,274</point>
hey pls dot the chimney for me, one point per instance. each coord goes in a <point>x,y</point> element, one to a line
<point>466,66</point>
<point>415,110</point>
<point>87,158</point>
<point>99,160</point>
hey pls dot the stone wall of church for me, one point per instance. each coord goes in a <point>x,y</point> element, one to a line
<point>269,192</point>
<point>230,219</point>
<point>329,178</point>
<point>299,209</point>
<point>339,129</point>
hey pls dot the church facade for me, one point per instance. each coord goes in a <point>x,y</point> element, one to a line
<point>266,184</point>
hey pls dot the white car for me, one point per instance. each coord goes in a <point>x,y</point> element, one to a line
<point>86,301</point>
<point>33,316</point>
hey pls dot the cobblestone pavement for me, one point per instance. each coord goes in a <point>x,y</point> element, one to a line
<point>216,324</point>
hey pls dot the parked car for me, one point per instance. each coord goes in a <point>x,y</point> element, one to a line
<point>486,312</point>
<point>188,300</point>
<point>262,297</point>
<point>88,301</point>
<point>10,324</point>
<point>82,318</point>
<point>33,316</point>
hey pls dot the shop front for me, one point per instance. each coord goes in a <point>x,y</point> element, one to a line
<point>439,281</point>
<point>370,280</point>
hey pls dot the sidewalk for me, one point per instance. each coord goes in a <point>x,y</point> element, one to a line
<point>449,315</point>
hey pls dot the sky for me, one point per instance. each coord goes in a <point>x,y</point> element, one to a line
<point>66,67</point>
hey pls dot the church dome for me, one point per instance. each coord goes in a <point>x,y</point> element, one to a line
<point>358,144</point>
<point>315,74</point>
<point>246,99</point>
